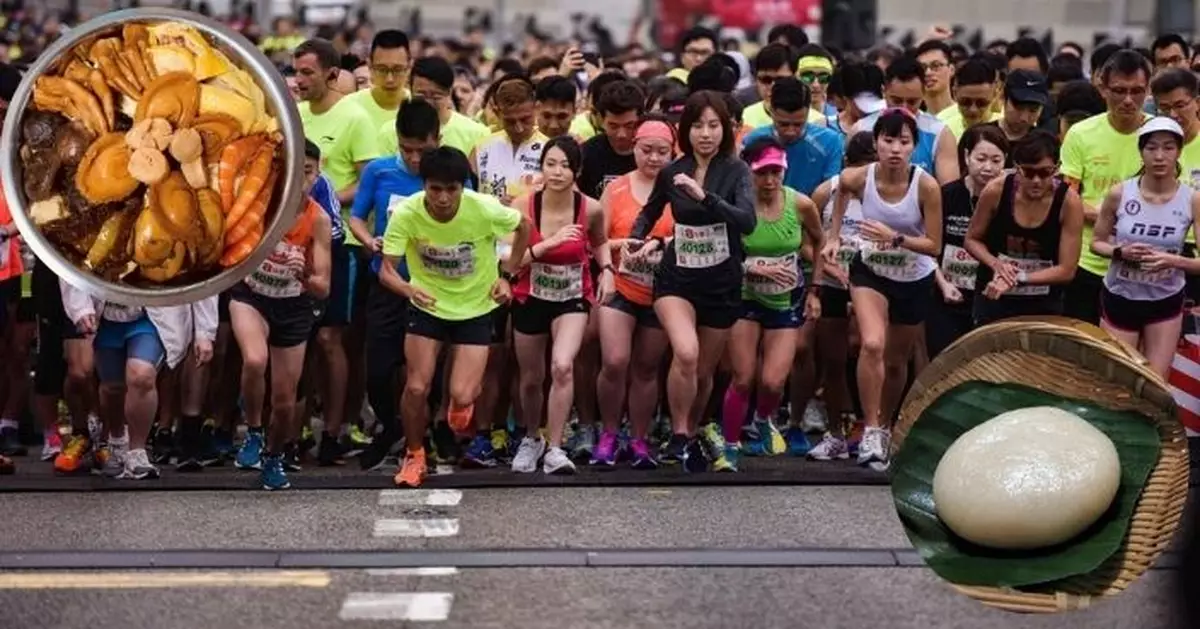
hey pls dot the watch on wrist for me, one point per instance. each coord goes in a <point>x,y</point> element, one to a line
<point>1022,277</point>
<point>511,278</point>
<point>897,241</point>
<point>1118,255</point>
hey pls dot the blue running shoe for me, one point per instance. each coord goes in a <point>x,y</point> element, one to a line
<point>273,476</point>
<point>251,454</point>
<point>480,454</point>
<point>797,441</point>
<point>223,442</point>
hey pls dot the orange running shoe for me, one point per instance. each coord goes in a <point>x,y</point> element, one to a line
<point>460,419</point>
<point>72,457</point>
<point>412,471</point>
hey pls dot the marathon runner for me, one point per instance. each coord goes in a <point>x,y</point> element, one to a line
<point>555,96</point>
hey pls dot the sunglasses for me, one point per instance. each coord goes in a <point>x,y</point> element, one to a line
<point>977,103</point>
<point>1031,172</point>
<point>816,77</point>
<point>768,79</point>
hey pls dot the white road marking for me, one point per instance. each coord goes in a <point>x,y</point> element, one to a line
<point>425,497</point>
<point>419,606</point>
<point>109,580</point>
<point>434,527</point>
<point>425,571</point>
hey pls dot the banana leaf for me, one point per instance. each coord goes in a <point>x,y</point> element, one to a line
<point>961,562</point>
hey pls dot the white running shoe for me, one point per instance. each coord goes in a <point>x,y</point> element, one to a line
<point>138,467</point>
<point>830,448</point>
<point>557,462</point>
<point>873,450</point>
<point>118,451</point>
<point>528,455</point>
<point>815,419</point>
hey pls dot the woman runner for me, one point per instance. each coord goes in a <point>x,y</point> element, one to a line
<point>553,296</point>
<point>632,342</point>
<point>697,289</point>
<point>775,301</point>
<point>1141,227</point>
<point>1025,233</point>
<point>891,278</point>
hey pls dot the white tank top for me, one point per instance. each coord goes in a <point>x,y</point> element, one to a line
<point>897,264</point>
<point>503,170</point>
<point>1163,227</point>
<point>848,235</point>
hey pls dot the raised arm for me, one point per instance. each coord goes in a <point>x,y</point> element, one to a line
<point>655,204</point>
<point>739,212</point>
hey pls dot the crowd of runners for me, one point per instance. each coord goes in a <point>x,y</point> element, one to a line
<point>550,260</point>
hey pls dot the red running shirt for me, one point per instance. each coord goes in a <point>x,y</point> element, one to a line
<point>560,274</point>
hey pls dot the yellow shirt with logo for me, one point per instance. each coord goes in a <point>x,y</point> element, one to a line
<point>581,127</point>
<point>953,119</point>
<point>1098,157</point>
<point>1189,161</point>
<point>346,138</point>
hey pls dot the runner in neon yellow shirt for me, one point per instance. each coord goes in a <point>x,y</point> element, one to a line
<point>1097,154</point>
<point>433,80</point>
<point>773,61</point>
<point>975,86</point>
<point>390,63</point>
<point>449,236</point>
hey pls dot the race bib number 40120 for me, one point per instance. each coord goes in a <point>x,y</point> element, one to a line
<point>451,261</point>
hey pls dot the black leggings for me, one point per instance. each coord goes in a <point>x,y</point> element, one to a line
<point>386,317</point>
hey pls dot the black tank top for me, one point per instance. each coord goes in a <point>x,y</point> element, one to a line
<point>1007,238</point>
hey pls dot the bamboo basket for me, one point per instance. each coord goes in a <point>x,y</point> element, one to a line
<point>1074,359</point>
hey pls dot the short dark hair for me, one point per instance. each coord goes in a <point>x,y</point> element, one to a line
<point>1063,72</point>
<point>860,149</point>
<point>311,150</point>
<point>1025,47</point>
<point>694,108</point>
<point>1037,145</point>
<point>351,62</point>
<point>857,77</point>
<point>1126,62</point>
<point>444,164</point>
<point>435,70</point>
<point>697,33</point>
<point>556,89</point>
<point>975,71</point>
<point>793,34</point>
<point>508,65</point>
<point>327,56</point>
<point>712,75</point>
<point>1174,79</point>
<point>1073,46</point>
<point>542,63</point>
<point>418,119</point>
<point>755,148</point>
<point>570,147</point>
<point>932,45</point>
<point>893,122</point>
<point>775,56</point>
<point>1080,95</point>
<point>980,133</point>
<point>790,95</point>
<point>814,50</point>
<point>904,69</point>
<point>1101,54</point>
<point>1170,39</point>
<point>621,97</point>
<point>389,38</point>
<point>603,80</point>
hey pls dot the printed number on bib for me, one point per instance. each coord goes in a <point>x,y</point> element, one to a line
<point>639,271</point>
<point>765,285</point>
<point>279,275</point>
<point>893,263</point>
<point>701,246</point>
<point>959,267</point>
<point>1029,266</point>
<point>453,261</point>
<point>556,282</point>
<point>1133,272</point>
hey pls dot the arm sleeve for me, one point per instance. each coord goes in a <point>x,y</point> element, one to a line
<point>739,212</point>
<point>204,318</point>
<point>655,203</point>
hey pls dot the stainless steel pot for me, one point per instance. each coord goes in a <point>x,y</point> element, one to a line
<point>286,201</point>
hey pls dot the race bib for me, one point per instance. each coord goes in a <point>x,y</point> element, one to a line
<point>893,263</point>
<point>639,271</point>
<point>279,275</point>
<point>959,267</point>
<point>1028,266</point>
<point>1134,273</point>
<point>766,286</point>
<point>452,261</point>
<point>701,246</point>
<point>556,282</point>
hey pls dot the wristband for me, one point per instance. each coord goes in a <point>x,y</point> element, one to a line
<point>1118,255</point>
<point>511,278</point>
<point>1022,277</point>
<point>897,241</point>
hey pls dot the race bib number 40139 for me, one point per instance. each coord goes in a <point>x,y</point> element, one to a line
<point>556,282</point>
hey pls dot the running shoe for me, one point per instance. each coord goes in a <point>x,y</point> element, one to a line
<point>207,449</point>
<point>502,444</point>
<point>676,449</point>
<point>137,466</point>
<point>695,457</point>
<point>96,429</point>
<point>815,418</point>
<point>830,448</point>
<point>249,457</point>
<point>480,454</point>
<point>10,442</point>
<point>660,430</point>
<point>223,443</point>
<point>52,444</point>
<point>308,439</point>
<point>605,454</point>
<point>640,452</point>
<point>857,429</point>
<point>329,451</point>
<point>412,472</point>
<point>164,446</point>
<point>356,441</point>
<point>460,419</point>
<point>101,456</point>
<point>74,455</point>
<point>273,474</point>
<point>445,444</point>
<point>873,451</point>
<point>528,455</point>
<point>557,462</point>
<point>291,456</point>
<point>585,443</point>
<point>717,450</point>
<point>797,441</point>
<point>118,451</point>
<point>378,454</point>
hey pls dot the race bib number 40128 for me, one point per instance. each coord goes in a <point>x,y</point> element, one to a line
<point>701,246</point>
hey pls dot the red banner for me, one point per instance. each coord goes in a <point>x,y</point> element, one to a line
<point>675,16</point>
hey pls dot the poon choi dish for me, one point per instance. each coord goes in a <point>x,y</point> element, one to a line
<point>148,157</point>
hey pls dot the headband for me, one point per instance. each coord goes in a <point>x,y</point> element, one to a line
<point>655,129</point>
<point>814,64</point>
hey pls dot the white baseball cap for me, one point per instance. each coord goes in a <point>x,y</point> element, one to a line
<point>1160,123</point>
<point>869,103</point>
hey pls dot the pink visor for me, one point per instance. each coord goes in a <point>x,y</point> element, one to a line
<point>771,157</point>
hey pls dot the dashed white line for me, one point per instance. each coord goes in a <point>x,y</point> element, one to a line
<point>434,527</point>
<point>415,606</point>
<point>422,497</point>
<point>424,571</point>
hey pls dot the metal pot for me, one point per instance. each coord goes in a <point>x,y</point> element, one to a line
<point>285,202</point>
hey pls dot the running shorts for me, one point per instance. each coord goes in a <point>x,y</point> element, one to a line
<point>644,315</point>
<point>908,302</point>
<point>481,330</point>
<point>535,316</point>
<point>117,343</point>
<point>769,319</point>
<point>1133,315</point>
<point>290,320</point>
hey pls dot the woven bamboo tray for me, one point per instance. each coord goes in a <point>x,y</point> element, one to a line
<point>1073,359</point>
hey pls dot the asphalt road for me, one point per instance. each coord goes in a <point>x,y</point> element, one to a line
<point>577,558</point>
